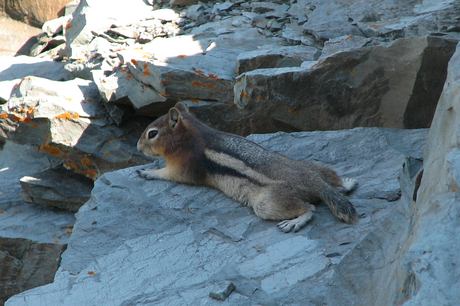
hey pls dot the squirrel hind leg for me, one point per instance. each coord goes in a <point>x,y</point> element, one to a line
<point>348,184</point>
<point>297,223</point>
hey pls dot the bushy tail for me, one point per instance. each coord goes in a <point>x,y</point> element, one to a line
<point>339,204</point>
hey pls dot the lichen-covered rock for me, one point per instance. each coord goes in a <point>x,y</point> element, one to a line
<point>67,120</point>
<point>32,237</point>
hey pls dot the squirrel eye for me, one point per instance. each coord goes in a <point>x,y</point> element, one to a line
<point>152,134</point>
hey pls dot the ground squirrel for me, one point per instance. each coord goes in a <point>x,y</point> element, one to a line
<point>275,186</point>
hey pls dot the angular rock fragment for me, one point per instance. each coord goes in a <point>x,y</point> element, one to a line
<point>275,57</point>
<point>58,188</point>
<point>222,290</point>
<point>322,93</point>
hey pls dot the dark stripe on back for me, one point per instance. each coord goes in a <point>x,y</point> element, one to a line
<point>218,169</point>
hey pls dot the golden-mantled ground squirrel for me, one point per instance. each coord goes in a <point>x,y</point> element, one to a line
<point>276,187</point>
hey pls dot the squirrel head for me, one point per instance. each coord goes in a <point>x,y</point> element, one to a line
<point>166,135</point>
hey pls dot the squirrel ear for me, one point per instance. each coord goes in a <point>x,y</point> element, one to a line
<point>182,107</point>
<point>173,117</point>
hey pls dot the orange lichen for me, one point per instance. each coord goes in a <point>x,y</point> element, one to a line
<point>57,241</point>
<point>2,212</point>
<point>181,56</point>
<point>35,125</point>
<point>169,76</point>
<point>92,273</point>
<point>4,115</point>
<point>70,166</point>
<point>238,80</point>
<point>294,111</point>
<point>195,100</point>
<point>348,37</point>
<point>129,76</point>
<point>164,82</point>
<point>146,73</point>
<point>145,65</point>
<point>17,211</point>
<point>134,61</point>
<point>31,111</point>
<point>89,100</point>
<point>123,70</point>
<point>259,97</point>
<point>70,227</point>
<point>65,116</point>
<point>353,72</point>
<point>213,77</point>
<point>197,84</point>
<point>209,85</point>
<point>317,64</point>
<point>199,71</point>
<point>16,118</point>
<point>28,120</point>
<point>51,150</point>
<point>244,95</point>
<point>68,233</point>
<point>106,154</point>
<point>86,161</point>
<point>90,173</point>
<point>165,94</point>
<point>68,26</point>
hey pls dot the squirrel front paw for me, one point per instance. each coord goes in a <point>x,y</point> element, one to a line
<point>149,174</point>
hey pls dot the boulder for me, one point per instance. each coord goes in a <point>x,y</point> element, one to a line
<point>201,239</point>
<point>67,120</point>
<point>370,86</point>
<point>430,260</point>
<point>32,237</point>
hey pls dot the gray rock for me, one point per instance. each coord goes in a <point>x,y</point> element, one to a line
<point>291,94</point>
<point>58,187</point>
<point>218,7</point>
<point>222,290</point>
<point>38,98</point>
<point>431,260</point>
<point>123,85</point>
<point>72,125</point>
<point>293,34</point>
<point>343,43</point>
<point>429,81</point>
<point>16,68</point>
<point>380,77</point>
<point>55,26</point>
<point>98,16</point>
<point>229,118</point>
<point>32,237</point>
<point>201,238</point>
<point>277,57</point>
<point>262,7</point>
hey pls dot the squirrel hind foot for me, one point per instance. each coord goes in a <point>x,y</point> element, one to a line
<point>295,224</point>
<point>349,184</point>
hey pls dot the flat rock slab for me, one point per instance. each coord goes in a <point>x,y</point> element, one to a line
<point>143,242</point>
